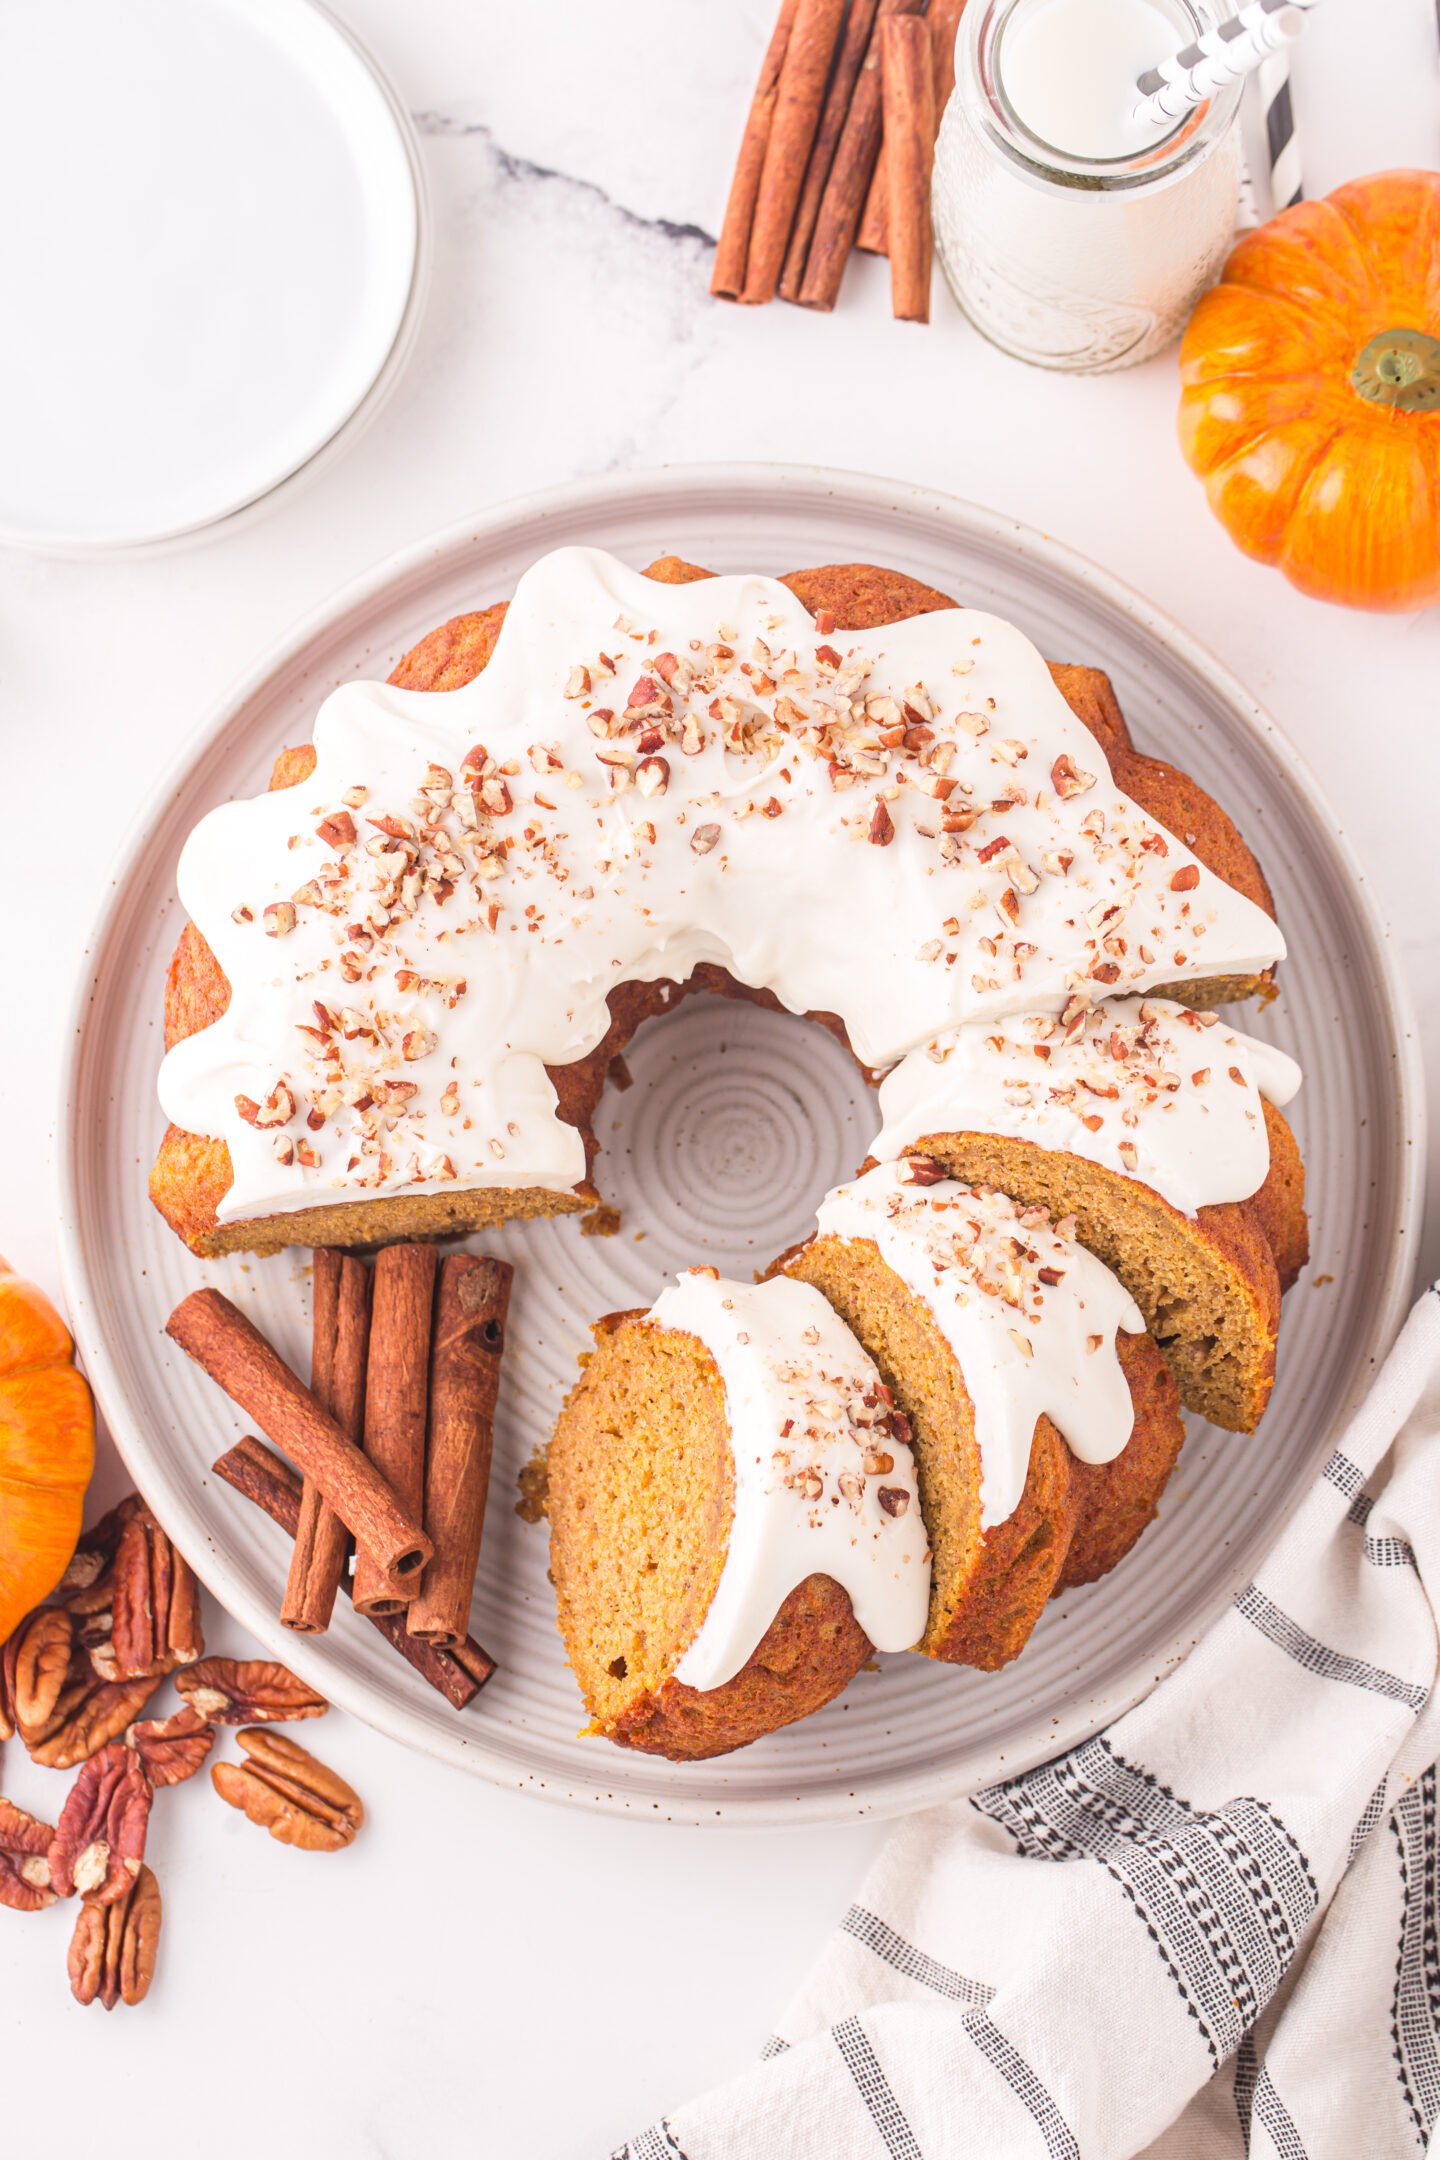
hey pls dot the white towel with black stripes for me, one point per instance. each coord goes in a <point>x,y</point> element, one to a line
<point>1211,1932</point>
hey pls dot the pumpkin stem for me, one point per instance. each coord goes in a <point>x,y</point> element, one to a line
<point>1399,369</point>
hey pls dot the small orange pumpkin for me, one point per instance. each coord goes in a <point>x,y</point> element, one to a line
<point>47,1448</point>
<point>1311,401</point>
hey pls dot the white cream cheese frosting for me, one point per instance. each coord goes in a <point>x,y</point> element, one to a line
<point>1030,1315</point>
<point>824,1480</point>
<point>1170,1097</point>
<point>906,826</point>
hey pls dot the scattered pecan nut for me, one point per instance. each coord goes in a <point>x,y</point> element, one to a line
<point>89,1715</point>
<point>7,1687</point>
<point>247,1691</point>
<point>24,1860</point>
<point>41,1664</point>
<point>112,1952</point>
<point>174,1748</point>
<point>93,1555</point>
<point>284,1789</point>
<point>99,1841</point>
<point>156,1603</point>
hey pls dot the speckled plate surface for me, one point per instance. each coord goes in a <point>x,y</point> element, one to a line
<point>737,1122</point>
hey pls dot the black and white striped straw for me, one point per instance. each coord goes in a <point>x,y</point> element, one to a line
<point>1282,143</point>
<point>1216,58</point>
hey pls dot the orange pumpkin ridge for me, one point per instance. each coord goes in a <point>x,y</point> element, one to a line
<point>1310,403</point>
<point>47,1448</point>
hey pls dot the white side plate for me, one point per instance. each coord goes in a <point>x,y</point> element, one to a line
<point>736,1124</point>
<point>216,253</point>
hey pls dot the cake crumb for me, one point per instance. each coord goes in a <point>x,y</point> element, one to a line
<point>533,1485</point>
<point>601,1222</point>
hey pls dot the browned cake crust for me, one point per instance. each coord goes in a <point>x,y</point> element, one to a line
<point>1075,1521</point>
<point>639,1483</point>
<point>192,1174</point>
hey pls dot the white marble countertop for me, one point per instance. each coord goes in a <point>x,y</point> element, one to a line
<point>482,1973</point>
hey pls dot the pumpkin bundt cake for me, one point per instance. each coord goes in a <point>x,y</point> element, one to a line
<point>733,1520</point>
<point>410,966</point>
<point>1160,1131</point>
<point>1043,1418</point>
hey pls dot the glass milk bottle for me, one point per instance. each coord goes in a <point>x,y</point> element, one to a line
<point>1073,235</point>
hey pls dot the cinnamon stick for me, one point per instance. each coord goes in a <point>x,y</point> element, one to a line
<point>854,44</point>
<point>733,247</point>
<point>340,1334</point>
<point>238,1359</point>
<point>397,1386</point>
<point>465,1355</point>
<point>849,177</point>
<point>263,1478</point>
<point>908,88</point>
<point>799,95</point>
<point>943,18</point>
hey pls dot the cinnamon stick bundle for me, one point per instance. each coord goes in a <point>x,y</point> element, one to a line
<point>908,88</point>
<point>943,18</point>
<point>397,1386</point>
<point>849,175</point>
<point>262,1477</point>
<point>237,1357</point>
<point>799,96</point>
<point>854,45</point>
<point>465,1355</point>
<point>733,248</point>
<point>340,1336</point>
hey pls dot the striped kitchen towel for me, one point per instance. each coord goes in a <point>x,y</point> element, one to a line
<point>1211,1932</point>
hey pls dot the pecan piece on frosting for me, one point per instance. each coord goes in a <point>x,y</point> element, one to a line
<point>247,1691</point>
<point>112,1952</point>
<point>99,1841</point>
<point>174,1748</point>
<point>89,1715</point>
<point>41,1665</point>
<point>156,1603</point>
<point>284,1789</point>
<point>24,1860</point>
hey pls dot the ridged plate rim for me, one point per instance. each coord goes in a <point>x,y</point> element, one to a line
<point>679,494</point>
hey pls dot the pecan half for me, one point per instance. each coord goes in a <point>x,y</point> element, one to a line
<point>156,1603</point>
<point>253,1691</point>
<point>24,1861</point>
<point>8,1655</point>
<point>93,1555</point>
<point>284,1789</point>
<point>99,1841</point>
<point>41,1665</point>
<point>89,1715</point>
<point>174,1748</point>
<point>112,1952</point>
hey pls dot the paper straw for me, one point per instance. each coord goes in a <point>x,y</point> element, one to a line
<point>1281,141</point>
<point>1176,86</point>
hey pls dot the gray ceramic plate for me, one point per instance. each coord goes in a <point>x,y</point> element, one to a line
<point>737,1122</point>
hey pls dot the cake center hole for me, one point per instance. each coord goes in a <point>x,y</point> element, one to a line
<point>738,1122</point>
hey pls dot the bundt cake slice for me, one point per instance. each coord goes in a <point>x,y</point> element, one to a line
<point>1043,1419</point>
<point>733,1517</point>
<point>1160,1132</point>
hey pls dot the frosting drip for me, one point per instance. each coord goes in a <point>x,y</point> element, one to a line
<point>824,1479</point>
<point>1142,1086</point>
<point>1030,1315</point>
<point>905,826</point>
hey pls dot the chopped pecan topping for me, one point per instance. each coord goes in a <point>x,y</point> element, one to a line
<point>174,1748</point>
<point>112,1952</point>
<point>893,1499</point>
<point>1185,879</point>
<point>99,1841</point>
<point>882,826</point>
<point>920,1170</point>
<point>287,1792</point>
<point>24,1860</point>
<point>240,1691</point>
